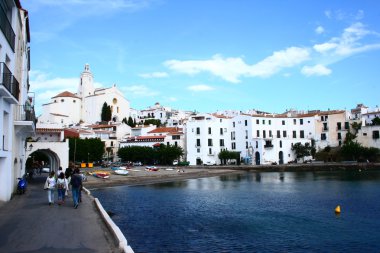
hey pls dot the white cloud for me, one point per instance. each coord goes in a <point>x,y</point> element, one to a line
<point>359,15</point>
<point>349,43</point>
<point>319,30</point>
<point>154,75</point>
<point>324,47</point>
<point>317,70</point>
<point>200,87</point>
<point>172,99</point>
<point>139,90</point>
<point>232,69</point>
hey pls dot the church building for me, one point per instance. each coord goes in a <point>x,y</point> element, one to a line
<point>67,108</point>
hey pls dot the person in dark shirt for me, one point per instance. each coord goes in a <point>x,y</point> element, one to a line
<point>76,185</point>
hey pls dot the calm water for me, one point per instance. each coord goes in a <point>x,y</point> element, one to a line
<point>253,212</point>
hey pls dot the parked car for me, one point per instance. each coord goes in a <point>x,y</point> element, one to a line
<point>209,163</point>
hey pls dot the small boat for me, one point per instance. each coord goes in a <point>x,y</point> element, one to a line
<point>121,172</point>
<point>101,174</point>
<point>151,168</point>
<point>118,168</point>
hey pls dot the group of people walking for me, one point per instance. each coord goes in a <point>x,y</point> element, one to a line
<point>62,183</point>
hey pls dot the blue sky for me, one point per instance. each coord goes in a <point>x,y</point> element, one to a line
<point>209,55</point>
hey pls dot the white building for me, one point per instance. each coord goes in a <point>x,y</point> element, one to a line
<point>16,110</point>
<point>66,108</point>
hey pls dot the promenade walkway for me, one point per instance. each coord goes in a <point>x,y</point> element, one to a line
<point>28,224</point>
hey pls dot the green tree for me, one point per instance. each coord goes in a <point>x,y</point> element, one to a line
<point>156,122</point>
<point>225,156</point>
<point>301,150</point>
<point>86,149</point>
<point>376,121</point>
<point>130,122</point>
<point>106,114</point>
<point>352,150</point>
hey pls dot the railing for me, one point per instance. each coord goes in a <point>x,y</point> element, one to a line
<point>9,81</point>
<point>7,29</point>
<point>268,146</point>
<point>24,113</point>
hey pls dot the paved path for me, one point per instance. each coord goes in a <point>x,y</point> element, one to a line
<point>28,224</point>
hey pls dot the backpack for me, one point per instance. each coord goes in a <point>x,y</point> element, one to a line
<point>61,185</point>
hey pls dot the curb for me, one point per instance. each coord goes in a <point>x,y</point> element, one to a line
<point>123,243</point>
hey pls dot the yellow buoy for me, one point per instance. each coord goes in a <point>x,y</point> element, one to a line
<point>337,209</point>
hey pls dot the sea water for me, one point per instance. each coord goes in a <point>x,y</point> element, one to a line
<point>251,212</point>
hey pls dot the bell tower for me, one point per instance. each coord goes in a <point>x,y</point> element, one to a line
<point>86,84</point>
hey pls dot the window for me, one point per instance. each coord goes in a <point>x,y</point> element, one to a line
<point>364,134</point>
<point>221,142</point>
<point>270,122</point>
<point>210,151</point>
<point>338,126</point>
<point>258,133</point>
<point>257,144</point>
<point>301,121</point>
<point>111,143</point>
<point>198,142</point>
<point>62,100</point>
<point>325,128</point>
<point>302,134</point>
<point>278,134</point>
<point>270,133</point>
<point>283,122</point>
<point>233,124</point>
<point>246,144</point>
<point>233,145</point>
<point>176,137</point>
<point>375,134</point>
<point>346,125</point>
<point>294,134</point>
<point>339,136</point>
<point>246,122</point>
<point>323,137</point>
<point>294,121</point>
<point>198,150</point>
<point>209,130</point>
<point>284,134</point>
<point>221,131</point>
<point>74,101</point>
<point>198,130</point>
<point>264,134</point>
<point>280,144</point>
<point>210,142</point>
<point>257,122</point>
<point>246,134</point>
<point>263,121</point>
<point>175,144</point>
<point>232,135</point>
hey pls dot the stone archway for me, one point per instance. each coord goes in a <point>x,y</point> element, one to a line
<point>57,153</point>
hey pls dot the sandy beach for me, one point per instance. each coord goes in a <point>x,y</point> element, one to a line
<point>139,175</point>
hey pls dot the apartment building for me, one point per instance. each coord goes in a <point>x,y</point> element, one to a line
<point>17,119</point>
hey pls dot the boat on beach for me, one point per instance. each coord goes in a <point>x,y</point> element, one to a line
<point>151,168</point>
<point>121,172</point>
<point>118,168</point>
<point>101,174</point>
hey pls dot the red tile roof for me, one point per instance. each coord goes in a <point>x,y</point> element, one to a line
<point>66,94</point>
<point>166,130</point>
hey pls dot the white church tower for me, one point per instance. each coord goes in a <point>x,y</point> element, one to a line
<point>86,87</point>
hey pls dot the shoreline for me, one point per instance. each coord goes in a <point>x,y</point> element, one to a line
<point>139,176</point>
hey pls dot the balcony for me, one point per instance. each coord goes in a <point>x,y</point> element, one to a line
<point>7,29</point>
<point>268,146</point>
<point>9,86</point>
<point>24,120</point>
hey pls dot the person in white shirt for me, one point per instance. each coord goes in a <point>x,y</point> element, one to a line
<point>51,182</point>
